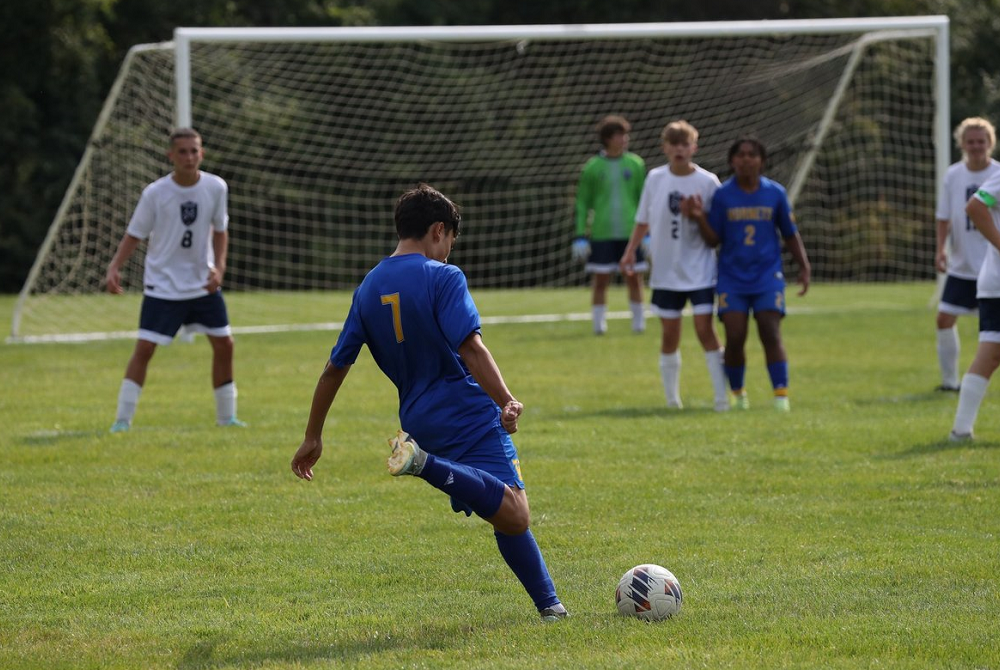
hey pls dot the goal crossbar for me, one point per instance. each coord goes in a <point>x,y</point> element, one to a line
<point>935,26</point>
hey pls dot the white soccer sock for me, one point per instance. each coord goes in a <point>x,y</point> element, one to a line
<point>638,317</point>
<point>948,348</point>
<point>670,373</point>
<point>598,313</point>
<point>717,373</point>
<point>128,399</point>
<point>225,403</point>
<point>970,397</point>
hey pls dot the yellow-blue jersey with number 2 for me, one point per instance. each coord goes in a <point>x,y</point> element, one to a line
<point>750,227</point>
<point>414,313</point>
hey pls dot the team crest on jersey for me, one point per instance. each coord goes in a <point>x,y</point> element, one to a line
<point>627,174</point>
<point>675,202</point>
<point>189,212</point>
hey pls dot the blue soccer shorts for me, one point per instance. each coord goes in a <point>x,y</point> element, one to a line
<point>771,298</point>
<point>496,454</point>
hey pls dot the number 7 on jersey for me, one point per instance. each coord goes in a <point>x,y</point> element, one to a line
<point>393,301</point>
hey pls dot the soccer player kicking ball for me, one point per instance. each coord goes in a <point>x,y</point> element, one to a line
<point>185,218</point>
<point>422,328</point>
<point>984,212</point>
<point>684,266</point>
<point>750,216</point>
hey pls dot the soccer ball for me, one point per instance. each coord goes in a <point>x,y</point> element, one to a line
<point>649,592</point>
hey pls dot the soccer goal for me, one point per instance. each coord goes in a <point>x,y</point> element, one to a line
<point>318,130</point>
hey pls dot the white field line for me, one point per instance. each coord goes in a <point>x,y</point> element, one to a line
<point>80,338</point>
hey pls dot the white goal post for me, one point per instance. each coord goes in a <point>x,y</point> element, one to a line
<point>318,129</point>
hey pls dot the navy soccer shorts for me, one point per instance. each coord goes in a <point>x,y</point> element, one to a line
<point>669,304</point>
<point>958,296</point>
<point>606,254</point>
<point>160,319</point>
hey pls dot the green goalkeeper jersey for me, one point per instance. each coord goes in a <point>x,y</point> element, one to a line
<point>610,188</point>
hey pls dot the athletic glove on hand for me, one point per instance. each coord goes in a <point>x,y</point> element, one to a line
<point>581,249</point>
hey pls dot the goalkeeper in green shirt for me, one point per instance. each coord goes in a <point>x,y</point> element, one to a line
<point>606,201</point>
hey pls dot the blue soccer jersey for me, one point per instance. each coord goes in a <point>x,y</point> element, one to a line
<point>413,313</point>
<point>750,227</point>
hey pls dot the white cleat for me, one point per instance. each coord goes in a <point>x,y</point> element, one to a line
<point>554,613</point>
<point>406,457</point>
<point>959,437</point>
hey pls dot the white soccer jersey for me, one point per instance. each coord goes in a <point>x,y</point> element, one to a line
<point>681,259</point>
<point>178,222</point>
<point>968,247</point>
<point>988,283</point>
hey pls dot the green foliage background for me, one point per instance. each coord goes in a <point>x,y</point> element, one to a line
<point>59,57</point>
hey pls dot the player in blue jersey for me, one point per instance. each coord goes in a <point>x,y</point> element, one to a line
<point>422,327</point>
<point>749,217</point>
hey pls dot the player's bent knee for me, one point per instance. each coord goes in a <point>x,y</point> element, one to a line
<point>945,321</point>
<point>514,516</point>
<point>516,525</point>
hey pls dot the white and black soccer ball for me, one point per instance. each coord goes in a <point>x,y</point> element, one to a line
<point>649,592</point>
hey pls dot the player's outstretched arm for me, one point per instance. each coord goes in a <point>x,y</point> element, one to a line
<point>485,371</point>
<point>113,277</point>
<point>798,251</point>
<point>312,444</point>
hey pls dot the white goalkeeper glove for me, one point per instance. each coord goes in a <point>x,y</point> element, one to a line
<point>581,249</point>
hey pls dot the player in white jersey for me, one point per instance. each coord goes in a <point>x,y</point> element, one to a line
<point>984,211</point>
<point>184,219</point>
<point>684,267</point>
<point>976,138</point>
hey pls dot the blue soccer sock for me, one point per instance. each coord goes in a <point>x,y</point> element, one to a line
<point>480,491</point>
<point>736,375</point>
<point>779,377</point>
<point>522,554</point>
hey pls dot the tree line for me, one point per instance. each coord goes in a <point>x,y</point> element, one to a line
<point>59,57</point>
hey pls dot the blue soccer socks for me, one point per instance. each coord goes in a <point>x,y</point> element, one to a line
<point>522,554</point>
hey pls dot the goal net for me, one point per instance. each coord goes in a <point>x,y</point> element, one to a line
<point>318,131</point>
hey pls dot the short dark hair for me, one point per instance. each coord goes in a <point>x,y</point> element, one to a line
<point>748,139</point>
<point>420,207</point>
<point>178,133</point>
<point>611,125</point>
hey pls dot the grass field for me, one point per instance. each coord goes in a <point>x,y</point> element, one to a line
<point>847,534</point>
